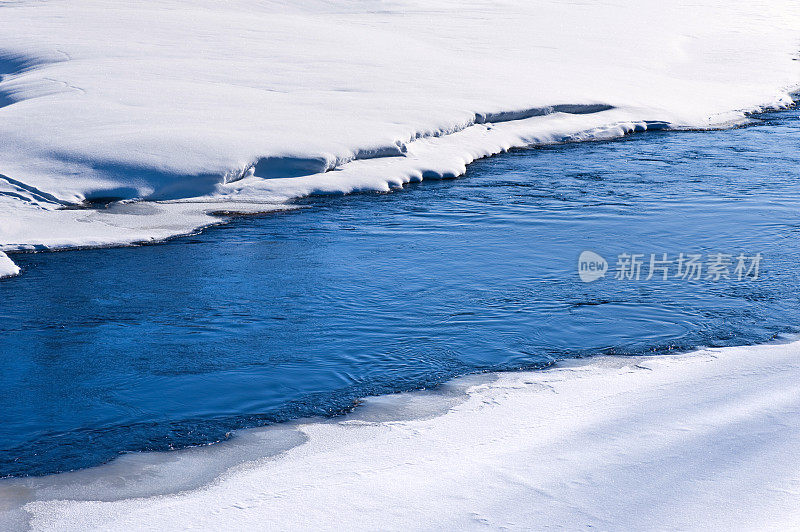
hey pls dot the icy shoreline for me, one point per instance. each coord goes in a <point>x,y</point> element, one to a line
<point>674,441</point>
<point>195,107</point>
<point>36,227</point>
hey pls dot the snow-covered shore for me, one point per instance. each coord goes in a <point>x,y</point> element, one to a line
<point>710,439</point>
<point>254,103</point>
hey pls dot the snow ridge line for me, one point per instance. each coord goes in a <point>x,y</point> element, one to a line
<point>283,166</point>
<point>291,166</point>
<point>34,192</point>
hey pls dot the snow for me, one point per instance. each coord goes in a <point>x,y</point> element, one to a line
<point>249,103</point>
<point>710,439</point>
<point>7,266</point>
<point>197,107</point>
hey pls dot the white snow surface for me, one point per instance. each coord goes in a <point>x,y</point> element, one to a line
<point>249,103</point>
<point>7,266</point>
<point>706,440</point>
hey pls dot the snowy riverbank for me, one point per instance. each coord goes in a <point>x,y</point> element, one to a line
<point>249,104</point>
<point>708,439</point>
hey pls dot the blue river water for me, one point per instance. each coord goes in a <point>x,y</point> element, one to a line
<point>300,313</point>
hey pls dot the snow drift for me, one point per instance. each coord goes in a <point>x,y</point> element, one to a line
<point>255,103</point>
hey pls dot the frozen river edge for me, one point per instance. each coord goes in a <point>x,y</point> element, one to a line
<point>194,108</point>
<point>707,438</point>
<point>34,227</point>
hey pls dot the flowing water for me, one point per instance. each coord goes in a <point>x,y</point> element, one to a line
<point>301,313</point>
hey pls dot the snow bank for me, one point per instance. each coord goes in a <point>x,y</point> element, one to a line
<point>7,266</point>
<point>252,102</point>
<point>710,439</point>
